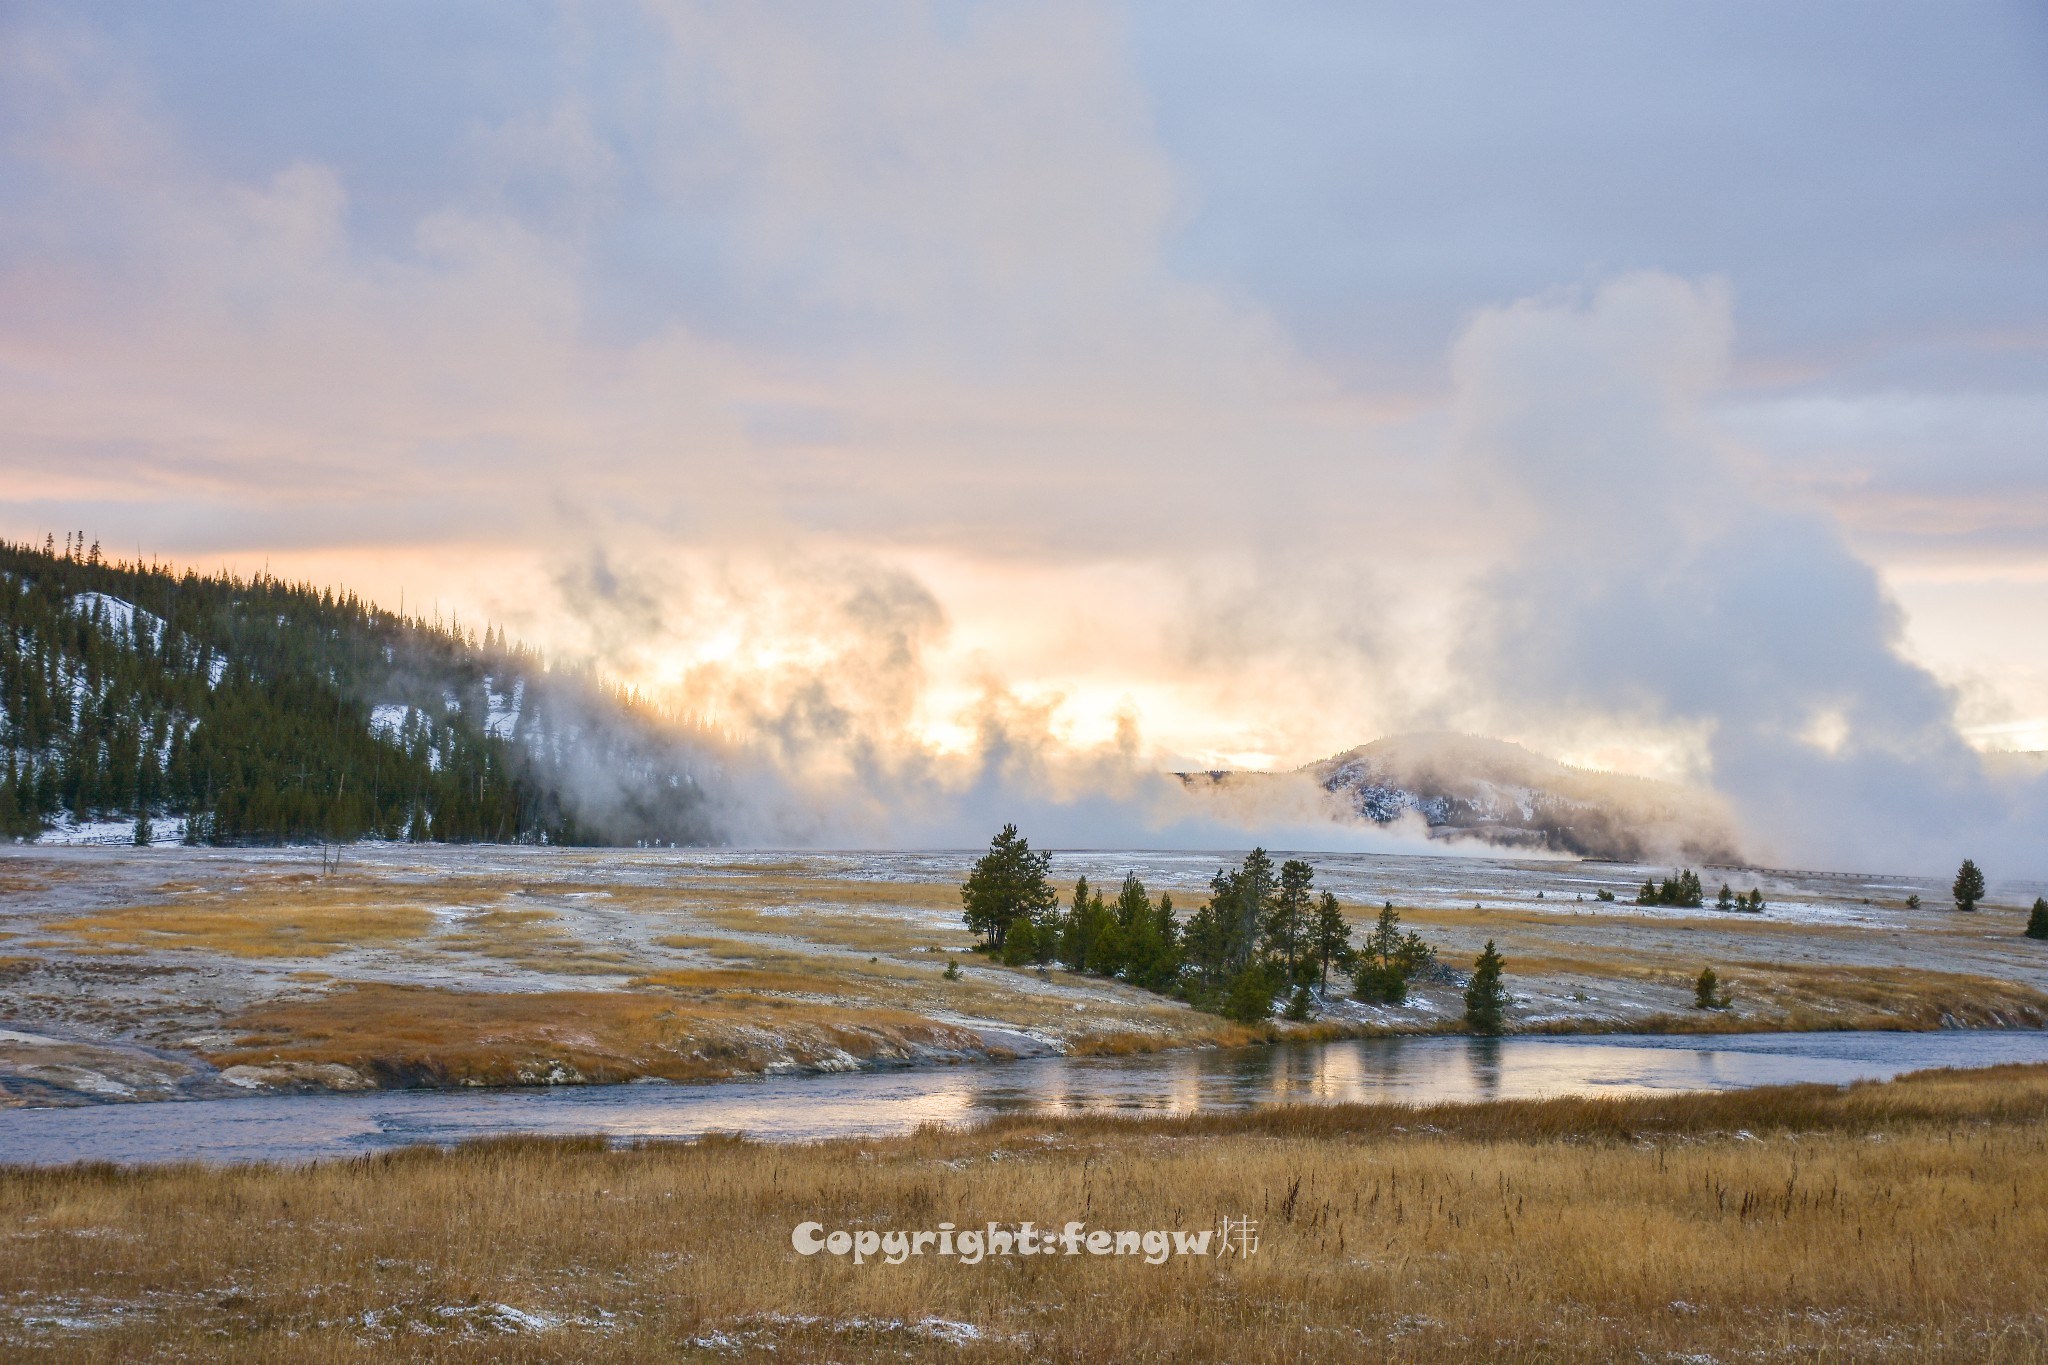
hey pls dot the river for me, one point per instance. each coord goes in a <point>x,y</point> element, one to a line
<point>808,1107</point>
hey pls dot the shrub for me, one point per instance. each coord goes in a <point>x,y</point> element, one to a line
<point>1381,983</point>
<point>2037,922</point>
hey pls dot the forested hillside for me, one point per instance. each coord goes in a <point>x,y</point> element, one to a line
<point>248,711</point>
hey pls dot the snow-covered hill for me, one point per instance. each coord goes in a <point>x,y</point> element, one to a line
<point>1468,787</point>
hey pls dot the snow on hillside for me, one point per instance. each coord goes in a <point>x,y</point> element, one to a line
<point>122,617</point>
<point>501,720</point>
<point>69,832</point>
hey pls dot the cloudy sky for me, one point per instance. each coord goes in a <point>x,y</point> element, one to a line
<point>1662,386</point>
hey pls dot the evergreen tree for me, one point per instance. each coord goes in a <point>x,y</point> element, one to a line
<point>1331,938</point>
<point>1006,884</point>
<point>1706,992</point>
<point>1249,999</point>
<point>1486,999</point>
<point>1249,892</point>
<point>1144,938</point>
<point>2037,921</point>
<point>1083,929</point>
<point>1288,922</point>
<point>1206,943</point>
<point>1726,900</point>
<point>1021,944</point>
<point>1379,977</point>
<point>1969,886</point>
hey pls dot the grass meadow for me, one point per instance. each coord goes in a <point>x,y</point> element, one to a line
<point>1904,1220</point>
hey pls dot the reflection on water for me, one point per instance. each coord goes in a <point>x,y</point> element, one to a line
<point>798,1108</point>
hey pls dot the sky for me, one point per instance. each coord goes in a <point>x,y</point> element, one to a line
<point>1661,386</point>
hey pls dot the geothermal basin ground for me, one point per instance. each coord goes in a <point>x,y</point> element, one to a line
<point>157,973</point>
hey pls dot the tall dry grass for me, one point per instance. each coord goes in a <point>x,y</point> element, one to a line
<point>1888,1221</point>
<point>418,1036</point>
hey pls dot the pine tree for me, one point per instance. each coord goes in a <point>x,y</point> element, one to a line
<point>1020,942</point>
<point>1969,886</point>
<point>1006,884</point>
<point>1485,998</point>
<point>1726,900</point>
<point>1379,978</point>
<point>1143,937</point>
<point>1249,999</point>
<point>1331,939</point>
<point>1288,923</point>
<point>1253,888</point>
<point>1206,942</point>
<point>1083,929</point>
<point>2037,922</point>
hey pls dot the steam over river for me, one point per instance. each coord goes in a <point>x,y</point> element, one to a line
<point>798,1108</point>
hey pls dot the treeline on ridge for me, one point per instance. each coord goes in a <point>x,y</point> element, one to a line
<point>259,711</point>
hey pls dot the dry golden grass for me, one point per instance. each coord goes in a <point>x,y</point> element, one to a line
<point>1894,997</point>
<point>867,933</point>
<point>1774,998</point>
<point>302,922</point>
<point>1889,1221</point>
<point>412,1035</point>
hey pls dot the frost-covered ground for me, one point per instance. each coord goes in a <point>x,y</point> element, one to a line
<point>135,973</point>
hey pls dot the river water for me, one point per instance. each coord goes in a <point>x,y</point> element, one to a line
<point>800,1108</point>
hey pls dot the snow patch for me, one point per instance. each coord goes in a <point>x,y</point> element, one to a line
<point>121,616</point>
<point>501,720</point>
<point>388,720</point>
<point>8,1035</point>
<point>70,832</point>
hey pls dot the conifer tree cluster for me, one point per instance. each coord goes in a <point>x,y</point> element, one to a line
<point>1750,901</point>
<point>257,711</point>
<point>1683,890</point>
<point>1388,960</point>
<point>1264,934</point>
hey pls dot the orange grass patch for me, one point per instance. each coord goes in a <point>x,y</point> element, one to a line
<point>412,1035</point>
<point>250,926</point>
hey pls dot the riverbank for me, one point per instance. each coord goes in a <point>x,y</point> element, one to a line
<point>172,973</point>
<point>1887,1219</point>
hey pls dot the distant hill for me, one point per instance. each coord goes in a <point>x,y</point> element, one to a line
<point>249,711</point>
<point>1468,787</point>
